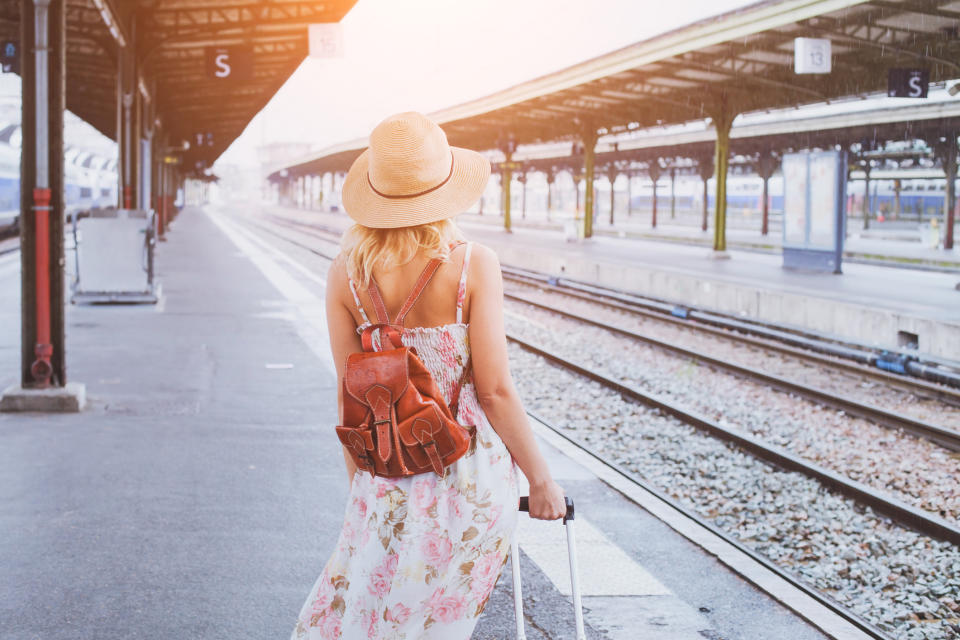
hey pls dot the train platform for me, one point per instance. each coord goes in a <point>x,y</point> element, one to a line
<point>894,243</point>
<point>877,305</point>
<point>201,491</point>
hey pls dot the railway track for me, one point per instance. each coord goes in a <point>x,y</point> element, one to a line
<point>892,368</point>
<point>944,437</point>
<point>633,479</point>
<point>908,515</point>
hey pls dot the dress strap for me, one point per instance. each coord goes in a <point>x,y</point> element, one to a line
<point>356,299</point>
<point>462,288</point>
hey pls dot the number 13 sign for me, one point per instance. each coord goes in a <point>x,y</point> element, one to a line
<point>811,55</point>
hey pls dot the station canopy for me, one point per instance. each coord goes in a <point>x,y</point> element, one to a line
<point>737,62</point>
<point>171,39</point>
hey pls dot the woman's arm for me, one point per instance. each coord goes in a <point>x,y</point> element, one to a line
<point>343,338</point>
<point>495,389</point>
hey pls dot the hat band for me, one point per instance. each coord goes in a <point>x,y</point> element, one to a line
<point>413,195</point>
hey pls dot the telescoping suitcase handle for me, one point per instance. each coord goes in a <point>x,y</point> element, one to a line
<point>574,582</point>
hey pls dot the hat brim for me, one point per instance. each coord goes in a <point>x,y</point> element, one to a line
<point>471,173</point>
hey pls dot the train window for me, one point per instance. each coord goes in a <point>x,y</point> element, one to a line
<point>86,192</point>
<point>104,191</point>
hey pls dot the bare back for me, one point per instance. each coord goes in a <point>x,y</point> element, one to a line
<point>436,305</point>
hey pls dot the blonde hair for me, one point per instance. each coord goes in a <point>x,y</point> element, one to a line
<point>366,248</point>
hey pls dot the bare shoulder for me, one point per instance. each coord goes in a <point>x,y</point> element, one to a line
<point>337,274</point>
<point>484,263</point>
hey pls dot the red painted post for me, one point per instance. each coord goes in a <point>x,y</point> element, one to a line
<point>41,369</point>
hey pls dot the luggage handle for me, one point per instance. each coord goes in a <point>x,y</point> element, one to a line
<point>571,512</point>
<point>574,581</point>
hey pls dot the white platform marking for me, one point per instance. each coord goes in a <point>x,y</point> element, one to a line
<point>311,322</point>
<point>604,568</point>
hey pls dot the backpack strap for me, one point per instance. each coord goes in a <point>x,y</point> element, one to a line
<point>418,288</point>
<point>379,308</point>
<point>356,299</point>
<point>462,287</point>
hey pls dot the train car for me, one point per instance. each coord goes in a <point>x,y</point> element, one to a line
<point>921,199</point>
<point>90,180</point>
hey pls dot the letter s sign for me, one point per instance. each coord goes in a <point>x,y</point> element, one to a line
<point>908,83</point>
<point>222,64</point>
<point>229,64</point>
<point>916,87</point>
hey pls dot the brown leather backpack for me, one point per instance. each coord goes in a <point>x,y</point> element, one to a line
<point>396,422</point>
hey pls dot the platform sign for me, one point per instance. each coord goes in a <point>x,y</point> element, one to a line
<point>10,56</point>
<point>814,194</point>
<point>811,55</point>
<point>908,83</point>
<point>326,40</point>
<point>226,64</point>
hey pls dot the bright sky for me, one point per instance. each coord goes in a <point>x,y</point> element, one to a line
<point>426,55</point>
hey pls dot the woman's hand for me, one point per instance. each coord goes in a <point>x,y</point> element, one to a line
<point>547,501</point>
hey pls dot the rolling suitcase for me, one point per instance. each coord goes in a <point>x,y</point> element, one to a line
<point>574,583</point>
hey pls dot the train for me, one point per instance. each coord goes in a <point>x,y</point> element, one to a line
<point>91,180</point>
<point>921,198</point>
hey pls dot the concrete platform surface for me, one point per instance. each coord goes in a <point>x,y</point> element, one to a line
<point>202,490</point>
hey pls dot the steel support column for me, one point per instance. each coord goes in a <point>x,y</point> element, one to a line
<point>722,115</point>
<point>589,139</point>
<point>765,167</point>
<point>506,177</point>
<point>551,177</point>
<point>896,199</point>
<point>705,169</point>
<point>128,123</point>
<point>673,193</point>
<point>522,179</point>
<point>612,173</point>
<point>629,194</point>
<point>653,170</point>
<point>43,73</point>
<point>947,152</point>
<point>866,195</point>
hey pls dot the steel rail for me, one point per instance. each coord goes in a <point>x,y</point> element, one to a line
<point>918,386</point>
<point>942,436</point>
<point>908,515</point>
<point>931,368</point>
<point>823,599</point>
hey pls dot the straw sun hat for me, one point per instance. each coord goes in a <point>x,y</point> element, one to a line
<point>410,175</point>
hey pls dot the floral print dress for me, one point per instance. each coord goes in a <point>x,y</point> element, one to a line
<point>418,557</point>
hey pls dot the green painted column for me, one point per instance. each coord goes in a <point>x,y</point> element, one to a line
<point>589,154</point>
<point>506,177</point>
<point>612,177</point>
<point>722,119</point>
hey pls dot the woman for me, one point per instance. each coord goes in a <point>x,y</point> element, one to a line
<point>418,557</point>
